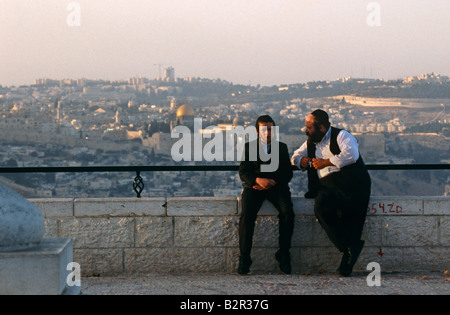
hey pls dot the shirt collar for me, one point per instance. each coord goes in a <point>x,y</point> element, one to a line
<point>327,137</point>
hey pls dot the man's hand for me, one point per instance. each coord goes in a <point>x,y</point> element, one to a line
<point>305,162</point>
<point>321,163</point>
<point>257,187</point>
<point>264,183</point>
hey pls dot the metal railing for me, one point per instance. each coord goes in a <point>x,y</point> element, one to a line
<point>138,183</point>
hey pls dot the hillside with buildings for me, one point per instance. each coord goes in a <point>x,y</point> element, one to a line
<point>97,122</point>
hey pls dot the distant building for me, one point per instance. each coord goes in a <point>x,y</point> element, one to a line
<point>173,103</point>
<point>169,74</point>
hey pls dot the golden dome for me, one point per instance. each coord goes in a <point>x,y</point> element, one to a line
<point>185,110</point>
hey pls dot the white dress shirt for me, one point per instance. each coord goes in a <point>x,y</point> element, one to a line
<point>349,152</point>
<point>266,147</point>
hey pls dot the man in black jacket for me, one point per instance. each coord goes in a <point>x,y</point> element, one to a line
<point>260,184</point>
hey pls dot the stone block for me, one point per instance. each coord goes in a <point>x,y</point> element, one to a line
<point>389,258</point>
<point>436,206</point>
<point>51,228</point>
<point>200,260</point>
<point>148,260</point>
<point>119,207</point>
<point>99,262</point>
<point>175,260</point>
<point>393,206</point>
<point>206,231</point>
<point>98,232</point>
<point>201,206</point>
<point>410,231</point>
<point>313,259</point>
<point>372,231</point>
<point>55,207</point>
<point>429,258</point>
<point>303,235</point>
<point>154,232</point>
<point>232,259</point>
<point>266,232</point>
<point>39,271</point>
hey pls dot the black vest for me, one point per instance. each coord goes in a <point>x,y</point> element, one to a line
<point>352,171</point>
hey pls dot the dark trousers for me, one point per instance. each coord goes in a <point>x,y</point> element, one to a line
<point>341,208</point>
<point>280,197</point>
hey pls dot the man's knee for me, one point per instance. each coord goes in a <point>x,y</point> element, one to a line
<point>249,214</point>
<point>287,213</point>
<point>325,205</point>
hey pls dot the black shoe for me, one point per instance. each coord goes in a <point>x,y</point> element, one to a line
<point>345,262</point>
<point>355,251</point>
<point>244,265</point>
<point>284,259</point>
<point>349,258</point>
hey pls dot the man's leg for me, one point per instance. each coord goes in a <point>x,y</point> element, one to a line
<point>354,218</point>
<point>326,211</point>
<point>280,197</point>
<point>357,217</point>
<point>251,203</point>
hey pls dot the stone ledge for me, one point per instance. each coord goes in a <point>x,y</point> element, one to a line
<point>201,206</point>
<point>119,207</point>
<point>224,206</point>
<point>57,207</point>
<point>128,235</point>
<point>436,205</point>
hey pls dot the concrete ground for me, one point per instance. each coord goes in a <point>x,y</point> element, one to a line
<point>416,283</point>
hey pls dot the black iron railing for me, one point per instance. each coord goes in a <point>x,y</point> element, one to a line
<point>138,183</point>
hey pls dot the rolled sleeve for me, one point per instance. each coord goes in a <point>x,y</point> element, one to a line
<point>299,154</point>
<point>349,150</point>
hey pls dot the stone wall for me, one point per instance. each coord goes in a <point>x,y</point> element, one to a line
<point>200,235</point>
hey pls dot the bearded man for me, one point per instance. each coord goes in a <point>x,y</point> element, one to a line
<point>339,182</point>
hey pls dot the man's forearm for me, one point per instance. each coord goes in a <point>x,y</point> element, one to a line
<point>321,163</point>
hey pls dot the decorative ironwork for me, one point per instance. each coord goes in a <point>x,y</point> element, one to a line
<point>138,184</point>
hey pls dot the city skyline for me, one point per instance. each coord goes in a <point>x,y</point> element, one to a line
<point>75,123</point>
<point>244,42</point>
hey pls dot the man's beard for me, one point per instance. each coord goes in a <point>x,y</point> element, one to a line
<point>317,136</point>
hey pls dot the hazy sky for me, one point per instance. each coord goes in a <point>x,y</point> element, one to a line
<point>258,41</point>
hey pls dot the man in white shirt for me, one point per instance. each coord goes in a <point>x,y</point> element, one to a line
<point>339,182</point>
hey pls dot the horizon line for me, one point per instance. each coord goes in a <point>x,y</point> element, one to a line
<point>231,82</point>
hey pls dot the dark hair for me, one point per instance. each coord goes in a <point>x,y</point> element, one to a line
<point>321,118</point>
<point>263,119</point>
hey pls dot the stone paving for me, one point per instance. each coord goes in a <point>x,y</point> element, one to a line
<point>419,283</point>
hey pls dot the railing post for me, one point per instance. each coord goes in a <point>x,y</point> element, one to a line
<point>138,184</point>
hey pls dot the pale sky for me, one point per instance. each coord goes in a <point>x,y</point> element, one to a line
<point>267,42</point>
